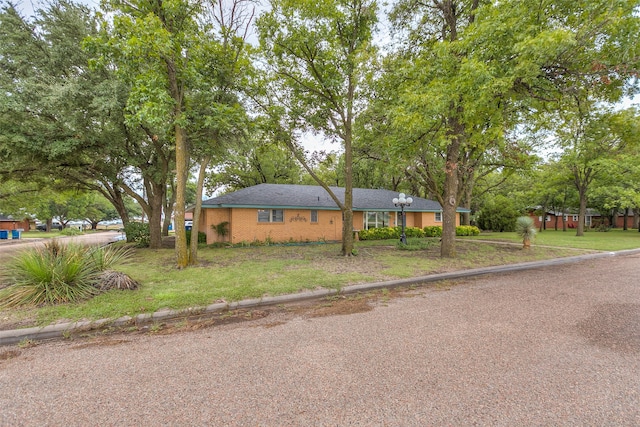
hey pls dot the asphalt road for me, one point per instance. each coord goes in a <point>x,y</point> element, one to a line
<point>553,346</point>
<point>10,247</point>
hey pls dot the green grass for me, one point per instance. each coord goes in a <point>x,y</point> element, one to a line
<point>614,240</point>
<point>240,273</point>
<point>40,234</point>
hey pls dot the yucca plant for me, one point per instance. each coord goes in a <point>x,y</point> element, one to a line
<point>104,258</point>
<point>49,275</point>
<point>525,230</point>
<point>57,273</point>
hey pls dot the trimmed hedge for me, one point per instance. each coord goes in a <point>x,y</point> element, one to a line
<point>467,230</point>
<point>433,231</point>
<point>382,233</point>
<point>461,230</point>
<point>388,233</point>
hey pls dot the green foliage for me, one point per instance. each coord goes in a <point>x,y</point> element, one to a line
<point>57,273</point>
<point>388,233</point>
<point>524,228</point>
<point>498,214</point>
<point>382,233</point>
<point>221,229</point>
<point>412,231</point>
<point>105,258</point>
<point>49,275</point>
<point>202,237</point>
<point>433,231</point>
<point>137,233</point>
<point>70,232</point>
<point>467,230</point>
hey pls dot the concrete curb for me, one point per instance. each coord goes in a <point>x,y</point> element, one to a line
<point>15,336</point>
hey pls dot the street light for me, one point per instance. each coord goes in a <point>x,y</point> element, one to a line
<point>402,200</point>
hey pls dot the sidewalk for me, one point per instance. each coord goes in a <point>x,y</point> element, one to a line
<point>8,337</point>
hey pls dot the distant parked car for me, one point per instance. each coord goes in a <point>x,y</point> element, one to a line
<point>55,225</point>
<point>188,225</point>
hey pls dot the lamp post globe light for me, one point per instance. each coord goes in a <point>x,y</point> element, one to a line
<point>402,200</point>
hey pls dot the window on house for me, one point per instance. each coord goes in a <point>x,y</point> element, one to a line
<point>376,220</point>
<point>566,218</point>
<point>314,216</point>
<point>575,217</point>
<point>438,216</point>
<point>270,215</point>
<point>587,221</point>
<point>548,218</point>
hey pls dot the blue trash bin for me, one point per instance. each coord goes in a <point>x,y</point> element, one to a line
<point>16,234</point>
<point>4,234</point>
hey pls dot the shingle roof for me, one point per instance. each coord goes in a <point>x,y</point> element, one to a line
<point>314,197</point>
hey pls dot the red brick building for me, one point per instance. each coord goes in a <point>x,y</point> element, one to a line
<point>592,219</point>
<point>11,223</point>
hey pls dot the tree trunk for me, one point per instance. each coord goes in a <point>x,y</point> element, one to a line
<point>169,202</point>
<point>182,170</point>
<point>636,218</point>
<point>626,218</point>
<point>466,202</point>
<point>193,247</point>
<point>450,199</point>
<point>118,203</point>
<point>583,211</point>
<point>155,217</point>
<point>347,213</point>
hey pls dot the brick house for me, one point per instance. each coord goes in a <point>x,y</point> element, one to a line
<point>11,223</point>
<point>282,212</point>
<point>592,219</point>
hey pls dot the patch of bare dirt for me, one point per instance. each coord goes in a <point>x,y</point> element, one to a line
<point>9,354</point>
<point>341,306</point>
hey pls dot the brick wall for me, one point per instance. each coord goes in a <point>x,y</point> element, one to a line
<point>297,225</point>
<point>15,225</point>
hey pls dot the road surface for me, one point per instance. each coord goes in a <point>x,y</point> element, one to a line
<point>552,346</point>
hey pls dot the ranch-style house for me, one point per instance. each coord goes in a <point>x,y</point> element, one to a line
<point>306,213</point>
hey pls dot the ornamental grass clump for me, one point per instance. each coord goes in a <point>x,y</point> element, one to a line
<point>526,230</point>
<point>57,273</point>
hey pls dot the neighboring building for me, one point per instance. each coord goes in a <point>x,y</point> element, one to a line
<point>592,219</point>
<point>11,223</point>
<point>280,213</point>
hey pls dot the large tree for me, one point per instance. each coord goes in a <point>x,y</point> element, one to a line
<point>316,53</point>
<point>591,138</point>
<point>469,71</point>
<point>64,119</point>
<point>160,48</point>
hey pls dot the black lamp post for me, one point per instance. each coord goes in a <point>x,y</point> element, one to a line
<point>402,201</point>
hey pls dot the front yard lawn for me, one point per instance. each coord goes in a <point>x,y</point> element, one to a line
<point>232,274</point>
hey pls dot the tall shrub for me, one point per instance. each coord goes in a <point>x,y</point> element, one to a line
<point>498,214</point>
<point>138,233</point>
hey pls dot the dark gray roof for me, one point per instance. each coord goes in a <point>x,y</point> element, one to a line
<point>314,197</point>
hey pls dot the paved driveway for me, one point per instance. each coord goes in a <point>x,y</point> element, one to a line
<point>552,346</point>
